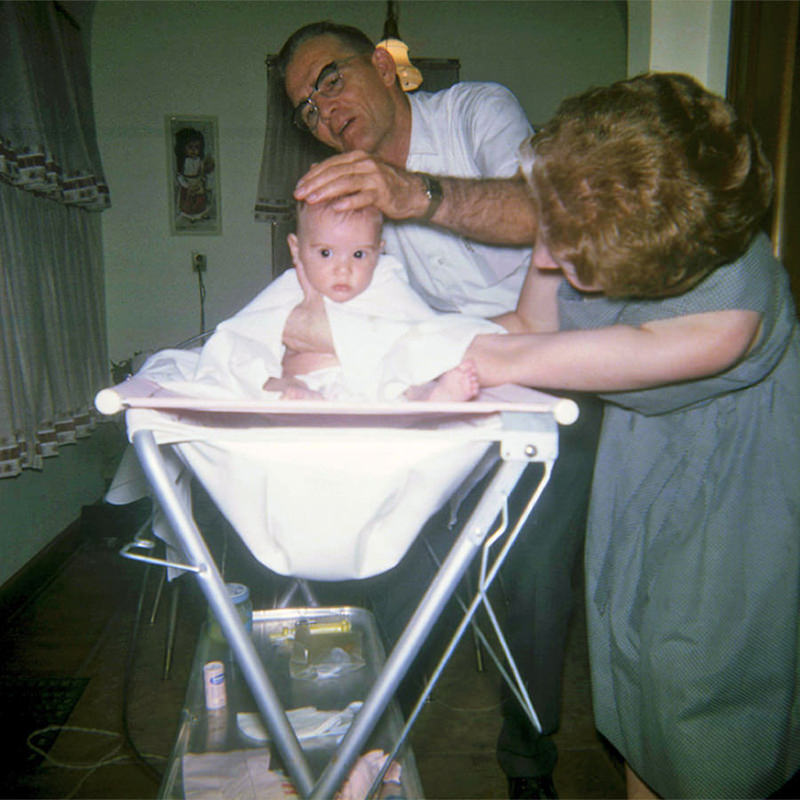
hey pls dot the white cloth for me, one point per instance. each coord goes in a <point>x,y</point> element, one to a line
<point>307,722</point>
<point>333,507</point>
<point>471,130</point>
<point>233,775</point>
<point>386,339</point>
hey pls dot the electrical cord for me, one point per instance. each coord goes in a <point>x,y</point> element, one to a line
<point>90,767</point>
<point>128,676</point>
<point>202,290</point>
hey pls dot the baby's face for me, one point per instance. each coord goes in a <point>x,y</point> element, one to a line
<point>339,256</point>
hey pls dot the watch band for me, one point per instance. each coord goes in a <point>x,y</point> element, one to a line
<point>434,193</point>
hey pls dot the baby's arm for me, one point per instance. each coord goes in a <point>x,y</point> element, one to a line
<point>295,363</point>
<point>619,357</point>
<point>308,344</point>
<point>308,332</point>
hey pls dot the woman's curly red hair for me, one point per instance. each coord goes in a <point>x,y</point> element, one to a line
<point>647,185</point>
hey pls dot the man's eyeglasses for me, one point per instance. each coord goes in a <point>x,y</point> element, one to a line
<point>329,83</point>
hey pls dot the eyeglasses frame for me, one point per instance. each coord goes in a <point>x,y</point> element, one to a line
<point>328,69</point>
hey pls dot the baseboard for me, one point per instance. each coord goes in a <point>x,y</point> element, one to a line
<point>99,524</point>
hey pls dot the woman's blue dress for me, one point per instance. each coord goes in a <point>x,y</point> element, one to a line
<point>693,550</point>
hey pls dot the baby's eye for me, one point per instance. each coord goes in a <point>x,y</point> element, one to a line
<point>359,254</point>
<point>325,252</point>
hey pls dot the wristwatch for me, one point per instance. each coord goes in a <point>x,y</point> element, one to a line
<point>434,193</point>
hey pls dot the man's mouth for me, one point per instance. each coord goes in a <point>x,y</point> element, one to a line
<point>344,127</point>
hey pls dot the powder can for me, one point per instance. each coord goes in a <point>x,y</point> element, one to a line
<point>214,685</point>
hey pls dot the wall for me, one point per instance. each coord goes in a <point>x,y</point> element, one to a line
<point>38,505</point>
<point>152,59</point>
<point>688,36</point>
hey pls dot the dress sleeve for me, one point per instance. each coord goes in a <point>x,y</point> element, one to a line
<point>755,282</point>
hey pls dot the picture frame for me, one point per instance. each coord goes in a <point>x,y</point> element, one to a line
<point>193,175</point>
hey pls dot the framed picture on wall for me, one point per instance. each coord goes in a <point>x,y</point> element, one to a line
<point>193,175</point>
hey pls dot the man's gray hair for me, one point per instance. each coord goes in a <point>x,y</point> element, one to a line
<point>352,37</point>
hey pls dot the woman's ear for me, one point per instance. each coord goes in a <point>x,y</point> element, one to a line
<point>383,62</point>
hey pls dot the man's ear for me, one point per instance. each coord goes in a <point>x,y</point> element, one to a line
<point>383,62</point>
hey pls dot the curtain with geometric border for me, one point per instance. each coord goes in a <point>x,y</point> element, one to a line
<point>53,356</point>
<point>48,143</point>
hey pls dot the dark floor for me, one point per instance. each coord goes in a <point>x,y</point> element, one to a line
<point>81,624</point>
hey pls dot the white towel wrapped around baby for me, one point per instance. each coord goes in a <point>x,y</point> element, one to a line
<point>343,506</point>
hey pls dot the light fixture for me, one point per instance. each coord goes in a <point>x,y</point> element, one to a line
<point>410,77</point>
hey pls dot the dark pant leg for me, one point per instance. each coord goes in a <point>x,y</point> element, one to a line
<point>537,579</point>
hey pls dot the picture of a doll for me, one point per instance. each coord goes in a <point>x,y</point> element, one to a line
<point>194,194</point>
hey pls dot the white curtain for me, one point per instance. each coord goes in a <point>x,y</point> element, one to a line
<point>53,355</point>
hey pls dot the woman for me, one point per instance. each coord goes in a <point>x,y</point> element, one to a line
<point>651,285</point>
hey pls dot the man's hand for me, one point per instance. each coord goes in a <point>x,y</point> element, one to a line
<point>359,180</point>
<point>490,210</point>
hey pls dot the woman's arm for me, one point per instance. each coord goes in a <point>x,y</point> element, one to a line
<point>620,357</point>
<point>537,307</point>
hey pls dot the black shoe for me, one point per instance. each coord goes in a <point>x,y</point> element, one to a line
<point>539,786</point>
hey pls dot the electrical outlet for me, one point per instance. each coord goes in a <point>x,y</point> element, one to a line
<point>199,262</point>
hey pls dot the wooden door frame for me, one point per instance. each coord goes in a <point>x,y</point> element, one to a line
<point>764,87</point>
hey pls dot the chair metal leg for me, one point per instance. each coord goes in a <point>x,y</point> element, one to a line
<point>157,601</point>
<point>169,648</point>
<point>297,585</point>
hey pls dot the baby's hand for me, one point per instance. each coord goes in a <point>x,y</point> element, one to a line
<point>291,389</point>
<point>301,392</point>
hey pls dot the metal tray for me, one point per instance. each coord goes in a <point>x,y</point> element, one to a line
<point>202,731</point>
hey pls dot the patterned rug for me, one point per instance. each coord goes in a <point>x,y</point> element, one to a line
<point>28,703</point>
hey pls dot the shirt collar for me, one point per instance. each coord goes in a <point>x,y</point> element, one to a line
<point>422,142</point>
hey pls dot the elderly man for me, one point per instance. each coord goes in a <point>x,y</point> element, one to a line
<point>443,169</point>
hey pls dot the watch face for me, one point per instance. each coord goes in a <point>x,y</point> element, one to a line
<point>433,191</point>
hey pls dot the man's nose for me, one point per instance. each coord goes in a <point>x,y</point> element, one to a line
<point>325,107</point>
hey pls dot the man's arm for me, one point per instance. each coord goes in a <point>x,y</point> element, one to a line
<point>494,211</point>
<point>490,210</point>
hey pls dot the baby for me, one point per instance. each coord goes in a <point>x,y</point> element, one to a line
<point>336,256</point>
